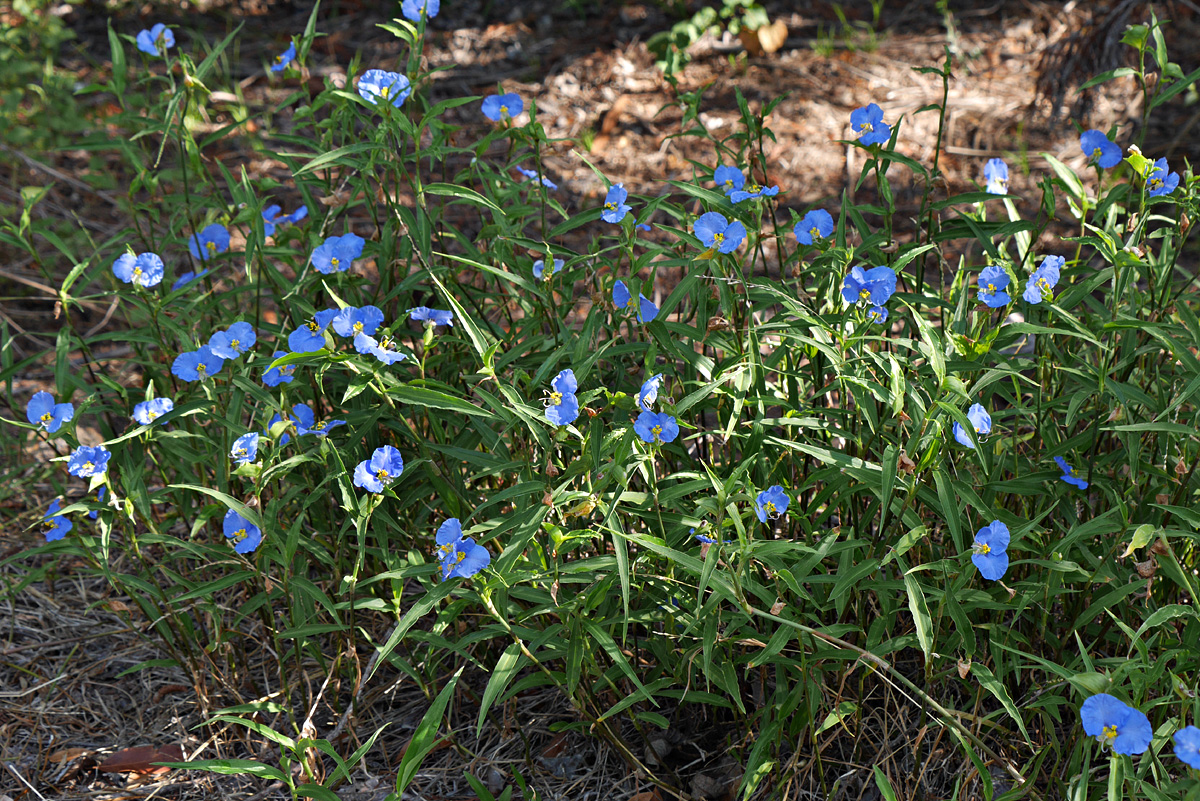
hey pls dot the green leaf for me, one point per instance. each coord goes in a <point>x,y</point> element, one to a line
<point>425,737</point>
<point>920,613</point>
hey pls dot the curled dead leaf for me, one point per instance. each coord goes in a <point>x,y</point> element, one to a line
<point>140,759</point>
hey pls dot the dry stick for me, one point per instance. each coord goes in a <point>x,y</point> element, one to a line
<point>882,663</point>
<point>359,689</point>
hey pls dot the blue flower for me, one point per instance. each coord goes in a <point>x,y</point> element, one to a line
<point>234,341</point>
<point>432,317</point>
<point>384,349</point>
<point>539,269</point>
<point>279,375</point>
<point>1045,277</point>
<point>245,535</point>
<point>1069,475</point>
<point>771,503</point>
<point>1099,149</point>
<point>562,407</point>
<point>384,467</point>
<point>656,428</point>
<point>643,227</point>
<point>54,525</point>
<point>729,179</point>
<point>100,493</point>
<point>615,207</point>
<point>86,461</point>
<point>187,278</point>
<point>144,269</point>
<point>648,394</point>
<point>310,337</point>
<point>1116,724</point>
<point>146,412</point>
<point>752,191</point>
<point>995,176</point>
<point>1160,182</point>
<point>875,285</point>
<point>458,556</point>
<point>272,219</point>
<point>208,243</point>
<point>337,253</point>
<point>1187,746</point>
<point>817,224</point>
<point>197,365</point>
<point>390,87</point>
<point>306,422</point>
<point>284,437</point>
<point>868,123</point>
<point>990,550</point>
<point>981,421</point>
<point>498,108</point>
<point>645,309</point>
<point>992,284</point>
<point>149,41</point>
<point>283,59</point>
<point>245,448</point>
<point>411,9</point>
<point>350,322</point>
<point>533,176</point>
<point>43,411</point>
<point>718,233</point>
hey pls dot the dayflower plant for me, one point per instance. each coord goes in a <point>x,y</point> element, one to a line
<point>411,9</point>
<point>816,225</point>
<point>981,421</point>
<point>101,492</point>
<point>352,321</point>
<point>380,85</point>
<point>1069,475</point>
<point>648,394</point>
<point>54,525</point>
<point>376,473</point>
<point>533,176</point>
<point>771,503</point>
<point>717,233</point>
<point>244,534</point>
<point>993,286</point>
<point>1043,280</point>
<point>245,448</point>
<point>562,407</point>
<point>282,374</point>
<point>197,365</point>
<point>989,552</point>
<point>156,41</point>
<point>210,242</point>
<point>656,428</point>
<point>310,337</point>
<point>1099,149</point>
<point>875,285</point>
<point>867,123</point>
<point>1115,724</point>
<point>645,309</point>
<point>615,207</point>
<point>1161,182</point>
<point>42,411</point>
<point>1187,746</point>
<point>751,191</point>
<point>87,461</point>
<point>995,176</point>
<point>187,278</point>
<point>498,108</point>
<point>283,59</point>
<point>337,253</point>
<point>431,317</point>
<point>382,349</point>
<point>144,269</point>
<point>459,557</point>
<point>273,217</point>
<point>539,269</point>
<point>729,179</point>
<point>234,341</point>
<point>147,412</point>
<point>306,422</point>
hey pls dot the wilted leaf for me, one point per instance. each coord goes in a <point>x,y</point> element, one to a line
<point>140,759</point>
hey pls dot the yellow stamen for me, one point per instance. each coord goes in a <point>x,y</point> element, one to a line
<point>382,475</point>
<point>866,127</point>
<point>211,247</point>
<point>358,327</point>
<point>1109,732</point>
<point>657,432</point>
<point>239,535</point>
<point>137,273</point>
<point>504,111</point>
<point>984,549</point>
<point>770,509</point>
<point>383,91</point>
<point>991,288</point>
<point>201,368</point>
<point>312,326</point>
<point>555,398</point>
<point>335,261</point>
<point>718,239</point>
<point>814,232</point>
<point>88,467</point>
<point>236,344</point>
<point>864,294</point>
<point>47,418</point>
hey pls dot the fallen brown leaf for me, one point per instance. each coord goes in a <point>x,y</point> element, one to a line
<point>67,754</point>
<point>139,759</point>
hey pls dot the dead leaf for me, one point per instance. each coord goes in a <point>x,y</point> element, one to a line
<point>67,754</point>
<point>653,795</point>
<point>139,759</point>
<point>777,607</point>
<point>766,39</point>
